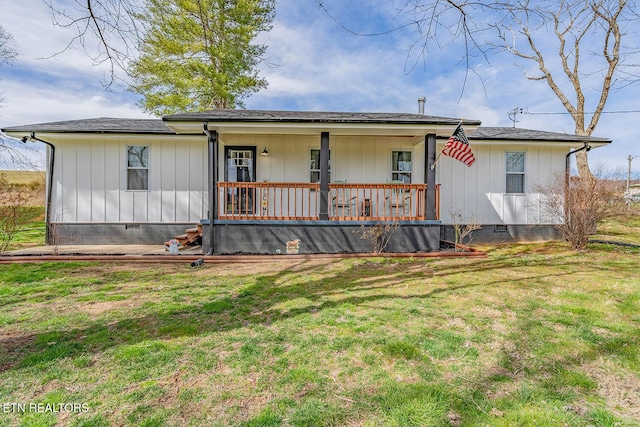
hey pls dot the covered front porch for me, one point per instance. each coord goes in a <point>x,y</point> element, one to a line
<point>320,179</point>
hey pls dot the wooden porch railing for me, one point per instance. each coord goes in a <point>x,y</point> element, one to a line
<point>378,202</point>
<point>268,200</point>
<point>301,201</point>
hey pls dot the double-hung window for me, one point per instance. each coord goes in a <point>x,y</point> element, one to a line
<point>515,172</point>
<point>401,166</point>
<point>137,167</point>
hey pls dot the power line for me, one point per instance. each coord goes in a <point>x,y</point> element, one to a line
<point>344,27</point>
<point>566,112</point>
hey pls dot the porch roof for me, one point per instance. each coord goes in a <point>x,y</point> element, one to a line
<point>313,122</point>
<point>228,115</point>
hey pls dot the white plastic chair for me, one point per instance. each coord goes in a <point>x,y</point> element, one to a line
<point>342,203</point>
<point>398,200</point>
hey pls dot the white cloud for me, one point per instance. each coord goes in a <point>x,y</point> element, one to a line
<point>33,103</point>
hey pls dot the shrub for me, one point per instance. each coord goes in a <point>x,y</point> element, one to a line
<point>575,207</point>
<point>12,217</point>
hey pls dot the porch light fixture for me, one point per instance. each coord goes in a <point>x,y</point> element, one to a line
<point>264,152</point>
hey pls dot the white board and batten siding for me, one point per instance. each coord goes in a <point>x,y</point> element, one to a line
<point>479,191</point>
<point>90,180</point>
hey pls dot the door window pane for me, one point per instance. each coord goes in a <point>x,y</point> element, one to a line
<point>240,166</point>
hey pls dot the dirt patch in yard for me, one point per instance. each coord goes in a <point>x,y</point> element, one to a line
<point>622,393</point>
<point>10,343</point>
<point>96,308</point>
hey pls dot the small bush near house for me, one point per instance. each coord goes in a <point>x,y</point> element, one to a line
<point>578,206</point>
<point>21,200</point>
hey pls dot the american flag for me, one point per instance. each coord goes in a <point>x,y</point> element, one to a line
<point>458,147</point>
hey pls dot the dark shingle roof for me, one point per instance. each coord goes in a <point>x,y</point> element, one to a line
<point>517,134</point>
<point>157,126</point>
<point>227,115</point>
<point>99,125</point>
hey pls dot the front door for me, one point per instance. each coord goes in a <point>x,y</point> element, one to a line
<point>240,166</point>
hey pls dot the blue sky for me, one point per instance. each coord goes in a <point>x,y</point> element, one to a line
<point>318,66</point>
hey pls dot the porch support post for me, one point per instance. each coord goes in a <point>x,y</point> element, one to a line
<point>324,176</point>
<point>212,139</point>
<point>430,175</point>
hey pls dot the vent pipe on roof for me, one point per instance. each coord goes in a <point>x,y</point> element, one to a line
<point>421,102</point>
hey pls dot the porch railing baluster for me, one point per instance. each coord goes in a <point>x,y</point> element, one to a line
<point>300,201</point>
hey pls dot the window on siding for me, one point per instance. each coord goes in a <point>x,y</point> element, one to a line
<point>515,172</point>
<point>137,167</point>
<point>314,165</point>
<point>401,166</point>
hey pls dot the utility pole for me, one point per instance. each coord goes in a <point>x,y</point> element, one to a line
<point>514,113</point>
<point>629,173</point>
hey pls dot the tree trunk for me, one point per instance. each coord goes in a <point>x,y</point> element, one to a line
<point>582,162</point>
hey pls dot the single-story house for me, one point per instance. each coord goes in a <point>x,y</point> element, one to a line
<point>634,189</point>
<point>255,180</point>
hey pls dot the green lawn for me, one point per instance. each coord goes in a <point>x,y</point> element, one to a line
<point>533,335</point>
<point>625,229</point>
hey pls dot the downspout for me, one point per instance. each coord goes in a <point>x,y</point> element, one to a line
<point>212,140</point>
<point>323,213</point>
<point>567,165</point>
<point>430,175</point>
<point>49,183</point>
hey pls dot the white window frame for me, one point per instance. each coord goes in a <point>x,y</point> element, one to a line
<point>129,168</point>
<point>317,170</point>
<point>399,170</point>
<point>522,173</point>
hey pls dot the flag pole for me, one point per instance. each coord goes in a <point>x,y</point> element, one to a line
<point>433,166</point>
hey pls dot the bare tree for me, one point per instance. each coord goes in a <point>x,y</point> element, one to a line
<point>108,30</point>
<point>581,49</point>
<point>16,155</point>
<point>11,154</point>
<point>8,51</point>
<point>576,25</point>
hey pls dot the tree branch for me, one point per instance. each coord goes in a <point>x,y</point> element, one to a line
<point>112,24</point>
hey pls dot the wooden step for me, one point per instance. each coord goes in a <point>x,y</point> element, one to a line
<point>191,235</point>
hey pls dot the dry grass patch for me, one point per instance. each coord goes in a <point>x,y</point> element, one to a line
<point>618,387</point>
